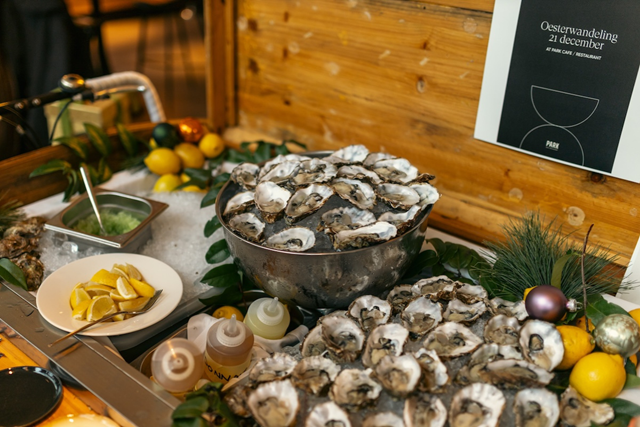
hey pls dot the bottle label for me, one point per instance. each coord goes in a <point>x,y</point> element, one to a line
<point>222,373</point>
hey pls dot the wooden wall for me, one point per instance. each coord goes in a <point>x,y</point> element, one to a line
<point>404,76</point>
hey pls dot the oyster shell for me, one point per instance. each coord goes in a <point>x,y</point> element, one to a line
<point>400,296</point>
<point>355,389</point>
<point>236,398</point>
<point>372,158</point>
<point>578,411</point>
<point>271,199</point>
<point>348,155</point>
<point>281,173</point>
<point>246,175</point>
<point>274,404</point>
<point>384,340</point>
<point>306,201</point>
<point>343,337</point>
<point>383,419</point>
<point>435,376</point>
<point>239,203</point>
<point>427,192</point>
<point>370,311</point>
<point>248,225</point>
<point>327,414</point>
<point>536,407</point>
<point>360,173</point>
<point>377,232</point>
<point>280,159</point>
<point>508,308</point>
<point>357,192</point>
<point>314,374</point>
<point>451,339</point>
<point>457,311</point>
<point>541,344</point>
<point>313,344</point>
<point>314,171</point>
<point>294,239</point>
<point>403,220</point>
<point>276,367</point>
<point>511,373</point>
<point>436,288</point>
<point>347,218</point>
<point>470,294</point>
<point>486,353</point>
<point>476,405</point>
<point>398,196</point>
<point>395,170</point>
<point>501,329</point>
<point>398,374</point>
<point>421,315</point>
<point>423,410</point>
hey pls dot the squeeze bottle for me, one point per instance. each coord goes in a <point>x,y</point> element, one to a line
<point>177,365</point>
<point>268,318</point>
<point>228,352</point>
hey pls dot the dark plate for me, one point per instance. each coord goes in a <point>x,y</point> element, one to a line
<point>27,395</point>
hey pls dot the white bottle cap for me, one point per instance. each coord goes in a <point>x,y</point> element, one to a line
<point>177,365</point>
<point>270,312</point>
<point>230,333</point>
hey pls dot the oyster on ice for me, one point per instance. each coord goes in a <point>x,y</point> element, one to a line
<point>276,367</point>
<point>384,340</point>
<point>239,203</point>
<point>377,232</point>
<point>281,173</point>
<point>314,171</point>
<point>457,311</point>
<point>294,239</point>
<point>436,288</point>
<point>355,389</point>
<point>246,175</point>
<point>398,196</point>
<point>280,159</point>
<point>478,405</point>
<point>423,410</point>
<point>421,315</point>
<point>541,344</point>
<point>486,353</point>
<point>343,337</point>
<point>400,296</point>
<point>327,414</point>
<point>470,294</point>
<point>360,173</point>
<point>248,225</point>
<point>402,220</point>
<point>271,199</point>
<point>398,374</point>
<point>313,344</point>
<point>306,201</point>
<point>451,339</point>
<point>274,404</point>
<point>508,308</point>
<point>427,192</point>
<point>347,218</point>
<point>503,330</point>
<point>372,158</point>
<point>578,411</point>
<point>370,311</point>
<point>512,373</point>
<point>314,374</point>
<point>348,155</point>
<point>359,193</point>
<point>383,419</point>
<point>536,407</point>
<point>396,170</point>
<point>435,375</point>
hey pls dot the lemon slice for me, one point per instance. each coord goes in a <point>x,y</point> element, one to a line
<point>119,270</point>
<point>100,307</point>
<point>125,289</point>
<point>78,295</point>
<point>142,288</point>
<point>96,289</point>
<point>115,296</point>
<point>133,304</point>
<point>79,312</point>
<point>133,272</point>
<point>104,277</point>
<point>119,317</point>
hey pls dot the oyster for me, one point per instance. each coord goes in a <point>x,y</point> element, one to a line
<point>236,399</point>
<point>424,411</point>
<point>398,374</point>
<point>541,344</point>
<point>400,296</point>
<point>398,196</point>
<point>383,419</point>
<point>348,155</point>
<point>536,407</point>
<point>377,232</point>
<point>478,405</point>
<point>372,158</point>
<point>314,171</point>
<point>274,404</point>
<point>508,308</point>
<point>457,311</point>
<point>370,311</point>
<point>511,373</point>
<point>357,192</point>
<point>294,239</point>
<point>355,389</point>
<point>360,173</point>
<point>451,340</point>
<point>486,353</point>
<point>384,340</point>
<point>276,367</point>
<point>314,374</point>
<point>248,225</point>
<point>271,199</point>
<point>403,220</point>
<point>502,330</point>
<point>436,288</point>
<point>421,315</point>
<point>281,173</point>
<point>239,203</point>
<point>435,376</point>
<point>306,201</point>
<point>313,344</point>
<point>347,218</point>
<point>470,294</point>
<point>578,411</point>
<point>327,414</point>
<point>246,175</point>
<point>396,170</point>
<point>343,337</point>
<point>427,192</point>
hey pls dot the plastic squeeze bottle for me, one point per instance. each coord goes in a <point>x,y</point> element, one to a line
<point>268,318</point>
<point>177,365</point>
<point>228,353</point>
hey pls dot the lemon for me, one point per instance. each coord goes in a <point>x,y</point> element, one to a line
<point>134,304</point>
<point>142,288</point>
<point>580,323</point>
<point>211,145</point>
<point>115,296</point>
<point>77,296</point>
<point>125,289</point>
<point>100,306</point>
<point>634,359</point>
<point>526,292</point>
<point>226,312</point>
<point>635,313</point>
<point>79,312</point>
<point>190,156</point>
<point>153,144</point>
<point>577,344</point>
<point>194,188</point>
<point>167,182</point>
<point>105,277</point>
<point>598,376</point>
<point>133,272</point>
<point>162,161</point>
<point>96,289</point>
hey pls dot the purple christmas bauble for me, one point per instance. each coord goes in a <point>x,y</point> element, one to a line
<point>546,302</point>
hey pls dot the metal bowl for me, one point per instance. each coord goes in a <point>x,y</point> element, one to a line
<point>328,279</point>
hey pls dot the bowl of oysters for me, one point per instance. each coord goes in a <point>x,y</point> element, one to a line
<point>319,229</point>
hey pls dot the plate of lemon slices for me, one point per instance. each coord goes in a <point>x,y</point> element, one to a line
<point>94,287</point>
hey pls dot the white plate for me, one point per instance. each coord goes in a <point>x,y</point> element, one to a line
<point>54,293</point>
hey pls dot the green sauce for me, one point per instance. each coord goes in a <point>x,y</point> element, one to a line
<point>115,222</point>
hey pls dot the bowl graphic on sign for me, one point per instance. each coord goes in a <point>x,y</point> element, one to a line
<point>560,111</point>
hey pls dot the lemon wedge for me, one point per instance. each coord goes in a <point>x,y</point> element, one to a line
<point>78,295</point>
<point>142,288</point>
<point>134,273</point>
<point>115,296</point>
<point>100,307</point>
<point>133,304</point>
<point>104,277</point>
<point>96,289</point>
<point>125,289</point>
<point>79,312</point>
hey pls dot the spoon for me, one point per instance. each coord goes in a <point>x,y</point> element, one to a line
<point>84,171</point>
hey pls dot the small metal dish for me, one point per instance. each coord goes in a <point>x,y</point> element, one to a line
<point>144,209</point>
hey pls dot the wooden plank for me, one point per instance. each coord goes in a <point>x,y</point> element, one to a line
<point>216,15</point>
<point>405,77</point>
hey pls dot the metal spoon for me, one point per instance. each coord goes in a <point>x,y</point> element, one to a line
<point>86,177</point>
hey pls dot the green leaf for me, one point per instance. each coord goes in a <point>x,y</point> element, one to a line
<point>263,152</point>
<point>439,246</point>
<point>218,252</point>
<point>191,408</point>
<point>282,150</point>
<point>222,276</point>
<point>633,381</point>
<point>230,296</point>
<point>104,171</point>
<point>629,367</point>
<point>294,142</point>
<point>221,179</point>
<point>235,156</point>
<point>210,198</point>
<point>73,186</point>
<point>12,273</point>
<point>77,145</point>
<point>598,308</point>
<point>451,251</point>
<point>99,139</point>
<point>618,421</point>
<point>128,140</point>
<point>556,275</point>
<point>425,259</point>
<point>623,407</point>
<point>212,225</point>
<point>51,166</point>
<point>202,175</point>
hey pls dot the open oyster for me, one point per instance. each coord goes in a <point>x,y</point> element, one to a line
<point>470,294</point>
<point>457,311</point>
<point>435,376</point>
<point>400,296</point>
<point>508,308</point>
<point>395,170</point>
<point>343,337</point>
<point>246,175</point>
<point>313,344</point>
<point>503,330</point>
<point>236,398</point>
<point>398,374</point>
<point>306,201</point>
<point>348,155</point>
<point>271,199</point>
<point>357,192</point>
<point>347,218</point>
<point>511,373</point>
<point>370,311</point>
<point>314,171</point>
<point>423,410</point>
<point>276,367</point>
<point>360,173</point>
<point>239,203</point>
<point>578,411</point>
<point>295,239</point>
<point>315,374</point>
<point>436,288</point>
<point>372,158</point>
<point>270,164</point>
<point>427,192</point>
<point>327,414</point>
<point>248,225</point>
<point>377,232</point>
<point>398,196</point>
<point>421,315</point>
<point>476,405</point>
<point>451,339</point>
<point>355,389</point>
<point>541,344</point>
<point>274,404</point>
<point>383,419</point>
<point>403,220</point>
<point>486,353</point>
<point>384,340</point>
<point>281,173</point>
<point>536,407</point>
